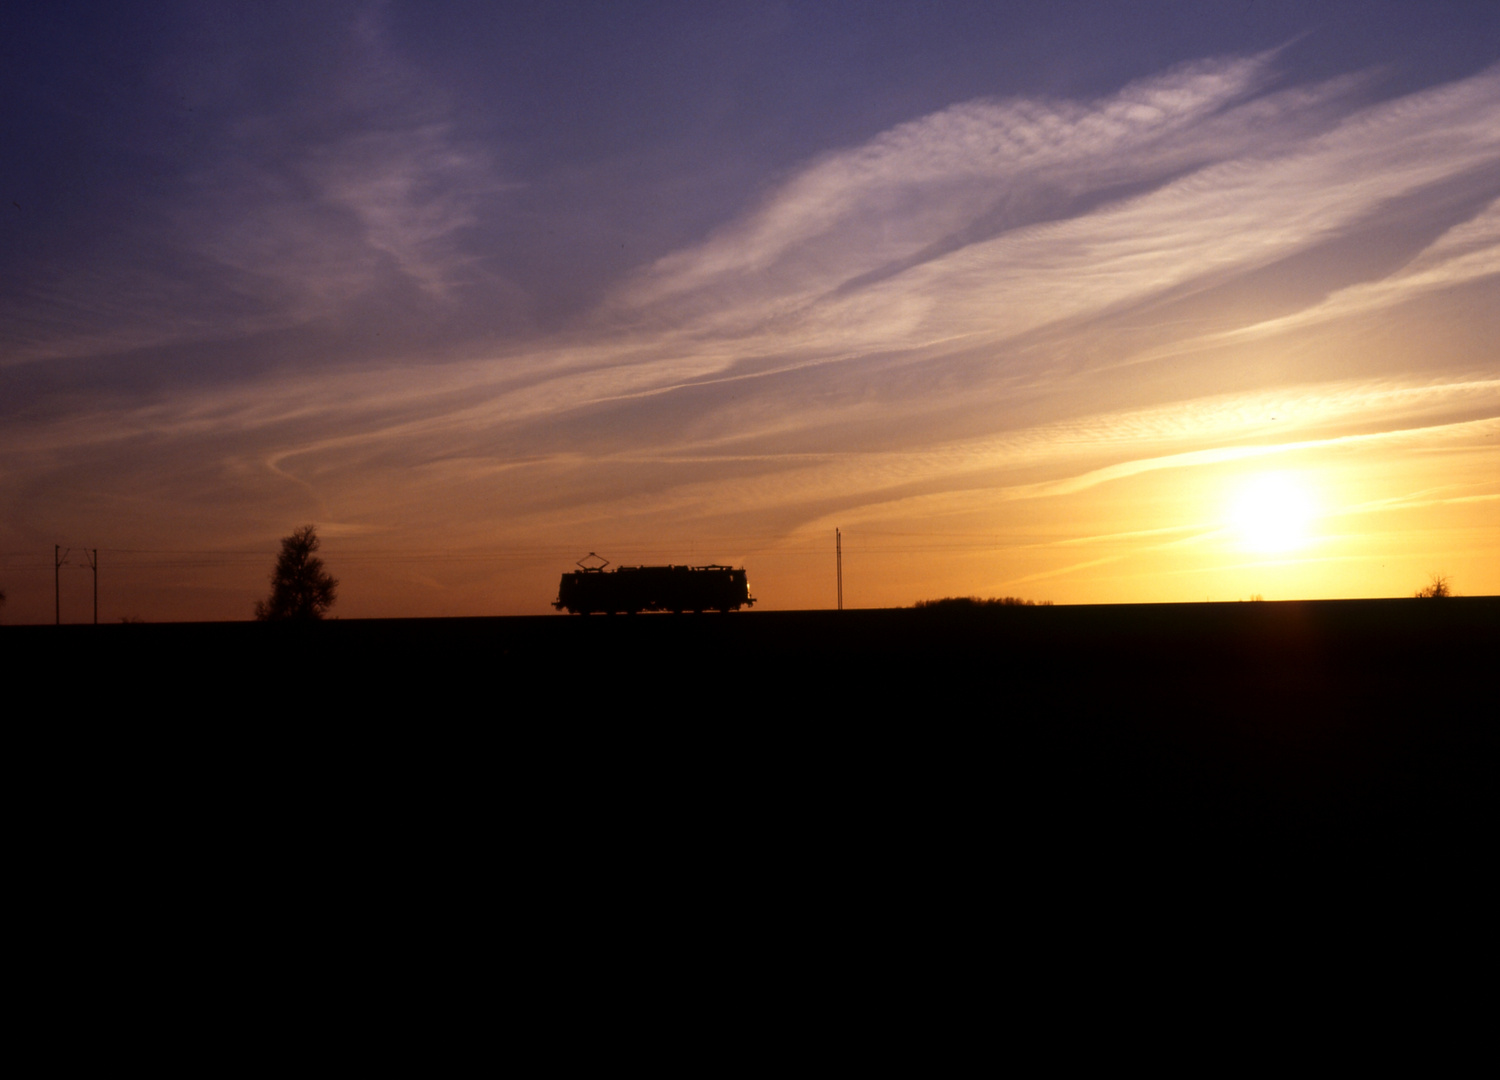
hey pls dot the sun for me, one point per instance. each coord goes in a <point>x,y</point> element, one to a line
<point>1271,512</point>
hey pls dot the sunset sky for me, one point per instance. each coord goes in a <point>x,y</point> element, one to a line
<point>1088,302</point>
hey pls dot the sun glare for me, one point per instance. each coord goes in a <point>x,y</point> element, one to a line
<point>1271,512</point>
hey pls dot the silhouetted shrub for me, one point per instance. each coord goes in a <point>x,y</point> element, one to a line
<point>1437,589</point>
<point>962,603</point>
<point>300,590</point>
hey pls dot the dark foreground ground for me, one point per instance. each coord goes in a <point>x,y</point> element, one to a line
<point>961,737</point>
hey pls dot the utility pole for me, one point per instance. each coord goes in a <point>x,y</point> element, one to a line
<point>93,558</point>
<point>59,557</point>
<point>838,561</point>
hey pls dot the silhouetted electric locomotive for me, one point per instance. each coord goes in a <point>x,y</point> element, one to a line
<point>653,588</point>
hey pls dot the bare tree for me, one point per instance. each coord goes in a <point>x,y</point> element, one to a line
<point>1438,588</point>
<point>300,590</point>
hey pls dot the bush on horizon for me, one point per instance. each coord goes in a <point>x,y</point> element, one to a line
<point>957,603</point>
<point>1438,588</point>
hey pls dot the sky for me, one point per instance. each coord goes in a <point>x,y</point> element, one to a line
<point>1080,302</point>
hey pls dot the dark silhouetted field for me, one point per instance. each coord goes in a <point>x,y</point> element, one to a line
<point>965,737</point>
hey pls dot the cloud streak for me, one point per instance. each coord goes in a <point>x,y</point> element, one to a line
<point>356,193</point>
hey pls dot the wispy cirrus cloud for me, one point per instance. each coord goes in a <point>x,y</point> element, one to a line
<point>355,190</point>
<point>1261,187</point>
<point>978,165</point>
<point>413,192</point>
<point>1468,252</point>
<point>334,220</point>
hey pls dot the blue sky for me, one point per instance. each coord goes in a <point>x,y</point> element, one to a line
<point>1020,296</point>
